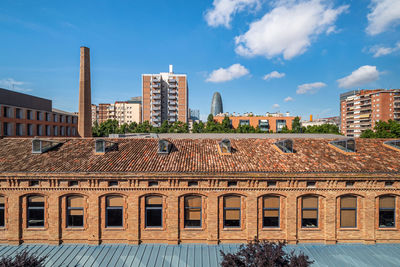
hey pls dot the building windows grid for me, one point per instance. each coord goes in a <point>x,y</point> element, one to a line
<point>309,212</point>
<point>75,212</point>
<point>35,211</point>
<point>153,212</point>
<point>348,212</point>
<point>232,212</point>
<point>114,211</point>
<point>271,212</point>
<point>193,212</point>
<point>387,213</point>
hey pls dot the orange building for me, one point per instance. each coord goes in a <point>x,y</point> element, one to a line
<point>265,123</point>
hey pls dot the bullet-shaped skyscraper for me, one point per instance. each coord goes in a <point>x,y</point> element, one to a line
<point>216,104</point>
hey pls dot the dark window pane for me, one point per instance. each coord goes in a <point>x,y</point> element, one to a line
<point>1,217</point>
<point>309,222</point>
<point>35,217</point>
<point>386,218</point>
<point>232,223</point>
<point>114,217</point>
<point>75,220</point>
<point>153,218</point>
<point>271,222</point>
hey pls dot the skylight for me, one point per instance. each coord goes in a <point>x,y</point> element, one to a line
<point>346,145</point>
<point>286,145</point>
<point>40,146</point>
<point>225,146</point>
<point>164,146</point>
<point>101,146</point>
<point>393,143</point>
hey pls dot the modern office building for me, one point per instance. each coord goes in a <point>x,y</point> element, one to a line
<point>165,97</point>
<point>122,111</point>
<point>23,115</point>
<point>216,104</point>
<point>205,190</point>
<point>265,123</point>
<point>360,109</point>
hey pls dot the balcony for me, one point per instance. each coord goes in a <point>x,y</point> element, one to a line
<point>156,80</point>
<point>155,85</point>
<point>170,80</point>
<point>172,119</point>
<point>156,108</point>
<point>172,108</point>
<point>156,91</point>
<point>172,91</point>
<point>172,85</point>
<point>172,103</point>
<point>155,97</point>
<point>172,97</point>
<point>155,113</point>
<point>156,103</point>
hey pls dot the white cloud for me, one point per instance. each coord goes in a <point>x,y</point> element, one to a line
<point>275,106</point>
<point>379,51</point>
<point>383,15</point>
<point>288,29</point>
<point>223,75</point>
<point>273,75</point>
<point>11,84</point>
<point>309,88</point>
<point>288,99</point>
<point>362,75</point>
<point>223,10</point>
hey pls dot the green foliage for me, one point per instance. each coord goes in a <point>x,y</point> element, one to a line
<point>296,125</point>
<point>383,129</point>
<point>324,128</point>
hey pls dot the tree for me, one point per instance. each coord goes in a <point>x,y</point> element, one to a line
<point>383,129</point>
<point>263,253</point>
<point>96,129</point>
<point>198,127</point>
<point>226,126</point>
<point>324,128</point>
<point>23,259</point>
<point>296,125</point>
<point>212,126</point>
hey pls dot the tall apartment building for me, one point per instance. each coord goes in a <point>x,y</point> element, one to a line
<point>95,113</point>
<point>361,109</point>
<point>23,115</point>
<point>165,97</point>
<point>122,111</point>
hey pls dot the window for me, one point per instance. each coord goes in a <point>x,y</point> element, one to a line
<point>153,210</point>
<point>164,147</point>
<point>55,118</point>
<point>7,112</point>
<point>348,211</point>
<point>35,211</point>
<point>38,116</point>
<point>225,146</point>
<point>349,184</point>
<point>39,130</point>
<point>30,130</point>
<point>62,131</point>
<point>113,183</point>
<point>152,183</point>
<point>271,211</point>
<point>55,130</point>
<point>386,211</point>
<point>263,125</point>
<point>2,213</point>
<point>18,129</point>
<point>73,183</point>
<point>244,122</point>
<point>271,184</point>
<point>18,113</point>
<point>309,212</point>
<point>34,183</point>
<point>114,211</point>
<point>232,211</point>
<point>193,183</point>
<point>280,124</point>
<point>7,128</point>
<point>389,184</point>
<point>75,211</point>
<point>286,146</point>
<point>48,130</point>
<point>192,211</point>
<point>311,184</point>
<point>48,117</point>
<point>347,145</point>
<point>232,183</point>
<point>29,114</point>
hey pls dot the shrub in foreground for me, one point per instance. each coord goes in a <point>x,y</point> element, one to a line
<point>22,259</point>
<point>264,254</point>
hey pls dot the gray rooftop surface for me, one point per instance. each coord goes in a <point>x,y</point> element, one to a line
<point>228,135</point>
<point>192,255</point>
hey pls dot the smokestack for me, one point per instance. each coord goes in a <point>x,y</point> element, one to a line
<point>85,102</point>
<point>171,69</point>
<point>311,117</point>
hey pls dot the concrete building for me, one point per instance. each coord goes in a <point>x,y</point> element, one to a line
<point>216,104</point>
<point>321,121</point>
<point>165,97</point>
<point>103,112</point>
<point>265,123</point>
<point>360,109</point>
<point>23,115</point>
<point>95,113</point>
<point>149,190</point>
<point>122,111</point>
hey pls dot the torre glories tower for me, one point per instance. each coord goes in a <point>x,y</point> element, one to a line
<point>216,104</point>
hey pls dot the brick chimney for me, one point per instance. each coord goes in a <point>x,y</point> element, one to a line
<point>85,109</point>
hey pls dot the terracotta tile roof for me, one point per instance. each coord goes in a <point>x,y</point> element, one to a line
<point>198,155</point>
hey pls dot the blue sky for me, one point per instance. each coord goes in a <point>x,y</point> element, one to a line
<point>313,50</point>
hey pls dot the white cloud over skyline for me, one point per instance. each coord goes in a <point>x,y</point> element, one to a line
<point>288,29</point>
<point>309,88</point>
<point>273,75</point>
<point>235,71</point>
<point>222,11</point>
<point>275,106</point>
<point>380,50</point>
<point>362,75</point>
<point>11,84</point>
<point>288,99</point>
<point>383,15</point>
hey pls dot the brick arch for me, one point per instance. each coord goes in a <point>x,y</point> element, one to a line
<point>232,194</point>
<point>388,195</point>
<point>113,194</point>
<point>272,194</point>
<point>33,194</point>
<point>350,194</point>
<point>192,194</point>
<point>310,195</point>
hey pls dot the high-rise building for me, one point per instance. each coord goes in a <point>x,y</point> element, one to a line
<point>122,111</point>
<point>95,113</point>
<point>165,97</point>
<point>103,112</point>
<point>216,104</point>
<point>361,109</point>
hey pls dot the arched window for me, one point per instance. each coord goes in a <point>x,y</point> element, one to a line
<point>153,210</point>
<point>232,211</point>
<point>387,211</point>
<point>192,211</point>
<point>309,212</point>
<point>271,211</point>
<point>35,211</point>
<point>2,217</point>
<point>348,211</point>
<point>75,211</point>
<point>114,211</point>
